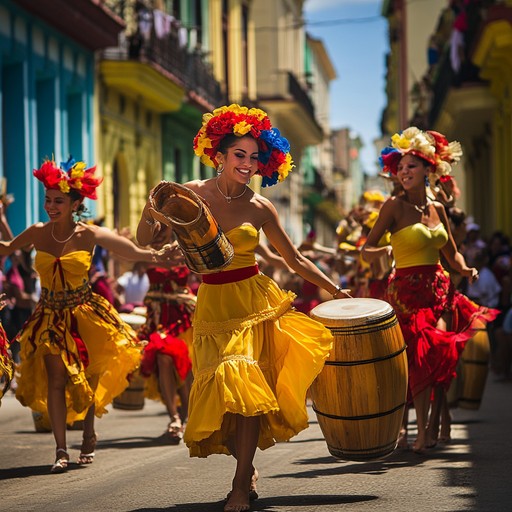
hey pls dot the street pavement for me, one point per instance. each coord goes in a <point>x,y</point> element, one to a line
<point>133,473</point>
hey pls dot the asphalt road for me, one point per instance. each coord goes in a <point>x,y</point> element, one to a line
<point>133,473</point>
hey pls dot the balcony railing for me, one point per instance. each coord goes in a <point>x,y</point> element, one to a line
<point>188,69</point>
<point>300,95</point>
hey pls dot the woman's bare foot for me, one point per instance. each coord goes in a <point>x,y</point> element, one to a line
<point>238,501</point>
<point>403,444</point>
<point>253,491</point>
<point>419,444</point>
<point>445,436</point>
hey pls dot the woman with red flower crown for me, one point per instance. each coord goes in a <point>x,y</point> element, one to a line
<point>76,352</point>
<point>435,319</point>
<point>253,356</point>
<point>166,360</point>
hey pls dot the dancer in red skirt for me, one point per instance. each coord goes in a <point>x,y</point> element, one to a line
<point>166,363</point>
<point>6,363</point>
<point>436,320</point>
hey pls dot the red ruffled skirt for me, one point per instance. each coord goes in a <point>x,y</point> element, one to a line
<point>160,342</point>
<point>421,296</point>
<point>6,363</point>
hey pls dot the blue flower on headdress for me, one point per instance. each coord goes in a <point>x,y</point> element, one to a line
<point>268,181</point>
<point>385,152</point>
<point>273,140</point>
<point>66,166</point>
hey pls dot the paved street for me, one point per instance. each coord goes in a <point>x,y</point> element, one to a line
<point>132,473</point>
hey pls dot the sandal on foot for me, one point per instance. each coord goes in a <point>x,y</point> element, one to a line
<point>89,443</point>
<point>61,463</point>
<point>174,433</point>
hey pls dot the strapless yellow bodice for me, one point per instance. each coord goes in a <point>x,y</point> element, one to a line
<point>245,239</point>
<point>75,268</point>
<point>418,244</point>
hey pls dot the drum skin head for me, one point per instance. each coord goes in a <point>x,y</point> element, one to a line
<point>344,309</point>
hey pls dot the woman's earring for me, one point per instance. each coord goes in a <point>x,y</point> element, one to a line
<point>249,181</point>
<point>220,168</point>
<point>427,182</point>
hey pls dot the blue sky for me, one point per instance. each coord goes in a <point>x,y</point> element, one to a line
<point>355,36</point>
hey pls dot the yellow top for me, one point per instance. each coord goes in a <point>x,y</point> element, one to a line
<point>244,238</point>
<point>418,244</point>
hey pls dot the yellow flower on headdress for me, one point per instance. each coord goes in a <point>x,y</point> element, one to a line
<point>78,184</point>
<point>241,128</point>
<point>64,186</point>
<point>284,169</point>
<point>78,170</point>
<point>399,141</point>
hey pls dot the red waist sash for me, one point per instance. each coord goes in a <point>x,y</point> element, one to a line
<point>231,276</point>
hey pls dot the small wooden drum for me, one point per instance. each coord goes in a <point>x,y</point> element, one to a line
<point>133,320</point>
<point>206,248</point>
<point>132,398</point>
<point>473,369</point>
<point>360,395</point>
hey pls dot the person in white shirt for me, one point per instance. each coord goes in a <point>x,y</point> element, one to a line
<point>485,291</point>
<point>133,285</point>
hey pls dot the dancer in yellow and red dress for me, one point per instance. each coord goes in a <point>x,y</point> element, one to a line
<point>436,320</point>
<point>253,356</point>
<point>6,363</point>
<point>76,352</point>
<point>168,331</point>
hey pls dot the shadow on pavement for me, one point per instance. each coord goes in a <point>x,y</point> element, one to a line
<point>27,471</point>
<point>268,504</point>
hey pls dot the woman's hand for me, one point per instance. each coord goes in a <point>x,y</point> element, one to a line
<point>472,275</point>
<point>168,255</point>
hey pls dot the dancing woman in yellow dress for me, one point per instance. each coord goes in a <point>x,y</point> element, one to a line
<point>253,356</point>
<point>75,351</point>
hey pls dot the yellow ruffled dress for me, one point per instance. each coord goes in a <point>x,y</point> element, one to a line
<point>252,355</point>
<point>98,349</point>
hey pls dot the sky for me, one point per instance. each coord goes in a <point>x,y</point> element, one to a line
<point>355,36</point>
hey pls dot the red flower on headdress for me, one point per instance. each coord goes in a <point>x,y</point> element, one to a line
<point>71,175</point>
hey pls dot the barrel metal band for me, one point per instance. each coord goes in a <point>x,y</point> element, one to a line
<point>366,361</point>
<point>363,417</point>
<point>383,449</point>
<point>375,325</point>
<point>475,361</point>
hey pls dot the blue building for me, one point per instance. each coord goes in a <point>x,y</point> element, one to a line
<point>47,77</point>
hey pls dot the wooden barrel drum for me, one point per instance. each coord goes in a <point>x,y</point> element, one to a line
<point>359,397</point>
<point>132,398</point>
<point>473,369</point>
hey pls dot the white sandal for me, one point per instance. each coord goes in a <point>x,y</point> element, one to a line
<point>61,463</point>
<point>87,458</point>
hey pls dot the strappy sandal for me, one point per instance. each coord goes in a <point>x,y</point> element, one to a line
<point>174,432</point>
<point>61,463</point>
<point>87,458</point>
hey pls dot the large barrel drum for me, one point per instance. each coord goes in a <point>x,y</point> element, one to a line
<point>359,397</point>
<point>473,369</point>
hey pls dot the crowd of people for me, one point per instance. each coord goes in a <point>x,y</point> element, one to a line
<point>231,354</point>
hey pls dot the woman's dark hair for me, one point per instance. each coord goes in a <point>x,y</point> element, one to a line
<point>456,215</point>
<point>229,141</point>
<point>75,195</point>
<point>81,210</point>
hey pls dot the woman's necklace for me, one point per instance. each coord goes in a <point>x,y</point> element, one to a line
<point>228,198</point>
<point>62,241</point>
<point>422,209</point>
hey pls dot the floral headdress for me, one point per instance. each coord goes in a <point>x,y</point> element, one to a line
<point>429,145</point>
<point>71,175</point>
<point>274,159</point>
